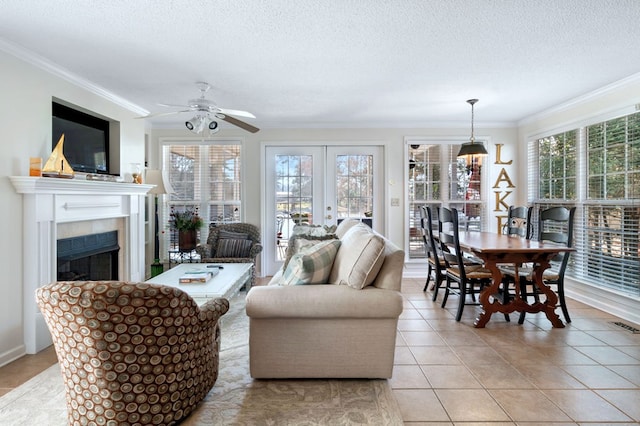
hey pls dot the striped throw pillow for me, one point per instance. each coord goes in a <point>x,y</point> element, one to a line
<point>233,248</point>
<point>312,265</point>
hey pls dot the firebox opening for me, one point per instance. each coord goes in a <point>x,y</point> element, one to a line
<point>89,257</point>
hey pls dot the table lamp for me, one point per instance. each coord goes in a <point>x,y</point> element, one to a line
<point>162,186</point>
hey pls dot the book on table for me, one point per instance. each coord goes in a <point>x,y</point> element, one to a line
<point>197,276</point>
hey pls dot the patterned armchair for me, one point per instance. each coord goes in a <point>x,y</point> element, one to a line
<point>131,353</point>
<point>232,243</point>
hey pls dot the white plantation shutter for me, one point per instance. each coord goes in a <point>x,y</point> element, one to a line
<point>610,246</point>
<point>611,224</point>
<point>225,186</point>
<point>184,165</point>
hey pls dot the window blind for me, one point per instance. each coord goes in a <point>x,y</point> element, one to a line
<point>597,169</point>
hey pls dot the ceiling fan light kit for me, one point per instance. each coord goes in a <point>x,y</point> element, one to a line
<point>201,122</point>
<point>471,149</point>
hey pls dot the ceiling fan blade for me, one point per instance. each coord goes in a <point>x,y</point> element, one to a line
<point>237,112</point>
<point>174,106</point>
<point>231,120</point>
<point>160,114</point>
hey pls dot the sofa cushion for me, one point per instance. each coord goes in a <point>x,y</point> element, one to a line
<point>233,248</point>
<point>312,265</point>
<point>359,258</point>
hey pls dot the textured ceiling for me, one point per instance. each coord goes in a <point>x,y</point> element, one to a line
<point>337,63</point>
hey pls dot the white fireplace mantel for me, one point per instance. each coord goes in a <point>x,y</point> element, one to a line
<point>48,202</point>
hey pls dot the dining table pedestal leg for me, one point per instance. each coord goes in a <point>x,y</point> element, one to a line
<point>492,303</point>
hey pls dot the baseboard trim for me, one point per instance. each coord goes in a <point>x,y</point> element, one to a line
<point>12,354</point>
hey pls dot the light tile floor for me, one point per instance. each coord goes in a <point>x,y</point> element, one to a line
<point>451,373</point>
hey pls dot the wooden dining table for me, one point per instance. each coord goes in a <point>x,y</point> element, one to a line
<point>498,249</point>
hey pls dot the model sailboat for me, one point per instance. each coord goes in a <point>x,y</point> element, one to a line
<point>57,165</point>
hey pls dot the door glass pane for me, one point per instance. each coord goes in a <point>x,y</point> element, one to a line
<point>294,196</point>
<point>354,187</point>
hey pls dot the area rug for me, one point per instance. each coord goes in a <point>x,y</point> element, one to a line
<point>236,398</point>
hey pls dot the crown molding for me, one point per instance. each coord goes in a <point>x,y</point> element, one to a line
<point>280,125</point>
<point>581,100</point>
<point>58,71</point>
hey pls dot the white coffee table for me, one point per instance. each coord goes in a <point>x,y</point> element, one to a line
<point>226,283</point>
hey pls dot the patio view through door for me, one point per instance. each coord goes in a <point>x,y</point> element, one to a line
<point>320,185</point>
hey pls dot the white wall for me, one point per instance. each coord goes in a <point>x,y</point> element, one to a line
<point>25,120</point>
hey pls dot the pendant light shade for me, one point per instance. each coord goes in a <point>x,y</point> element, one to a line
<point>471,148</point>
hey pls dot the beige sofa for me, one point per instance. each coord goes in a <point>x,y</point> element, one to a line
<point>335,329</point>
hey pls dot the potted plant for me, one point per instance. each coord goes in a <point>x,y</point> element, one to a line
<point>186,222</point>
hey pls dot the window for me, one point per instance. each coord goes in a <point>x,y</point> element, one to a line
<point>604,160</point>
<point>437,177</point>
<point>557,173</point>
<point>206,177</point>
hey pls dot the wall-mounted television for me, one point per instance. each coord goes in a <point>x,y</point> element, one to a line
<point>86,139</point>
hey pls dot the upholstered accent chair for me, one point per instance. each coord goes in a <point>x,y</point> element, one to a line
<point>232,243</point>
<point>131,353</point>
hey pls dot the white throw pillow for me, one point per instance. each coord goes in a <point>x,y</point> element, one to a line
<point>312,265</point>
<point>345,225</point>
<point>359,258</point>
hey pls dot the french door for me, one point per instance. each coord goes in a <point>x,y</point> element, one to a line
<point>320,185</point>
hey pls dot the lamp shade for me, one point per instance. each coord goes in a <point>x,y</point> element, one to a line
<point>155,177</point>
<point>472,148</point>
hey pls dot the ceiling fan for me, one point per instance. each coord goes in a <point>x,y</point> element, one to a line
<point>205,110</point>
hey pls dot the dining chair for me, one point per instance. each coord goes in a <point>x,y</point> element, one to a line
<point>519,222</point>
<point>470,278</point>
<point>433,251</point>
<point>555,225</point>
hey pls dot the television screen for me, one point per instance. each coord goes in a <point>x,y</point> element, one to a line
<point>86,139</point>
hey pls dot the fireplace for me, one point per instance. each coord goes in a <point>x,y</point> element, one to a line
<point>59,209</point>
<point>91,257</point>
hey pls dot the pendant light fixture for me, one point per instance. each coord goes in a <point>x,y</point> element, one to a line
<point>471,149</point>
